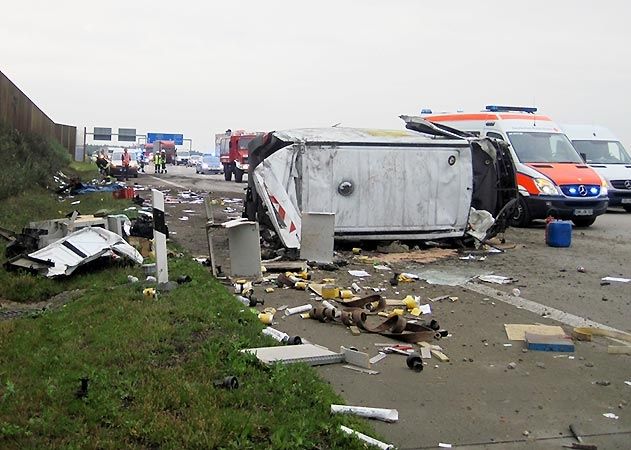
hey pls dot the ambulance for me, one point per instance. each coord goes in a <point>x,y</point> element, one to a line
<point>552,178</point>
<point>604,152</point>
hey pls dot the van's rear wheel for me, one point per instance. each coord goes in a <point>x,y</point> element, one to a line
<point>583,222</point>
<point>521,215</point>
<point>227,172</point>
<point>238,175</point>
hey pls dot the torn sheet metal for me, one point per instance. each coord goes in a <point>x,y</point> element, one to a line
<point>480,222</point>
<point>65,255</point>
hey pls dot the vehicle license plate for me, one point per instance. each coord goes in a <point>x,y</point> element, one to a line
<point>583,212</point>
<point>626,200</point>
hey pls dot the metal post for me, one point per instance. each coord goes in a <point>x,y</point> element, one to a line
<point>160,236</point>
<point>85,140</point>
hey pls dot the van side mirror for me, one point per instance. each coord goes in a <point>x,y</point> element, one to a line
<point>584,156</point>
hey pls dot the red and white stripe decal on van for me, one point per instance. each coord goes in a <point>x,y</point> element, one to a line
<point>282,213</point>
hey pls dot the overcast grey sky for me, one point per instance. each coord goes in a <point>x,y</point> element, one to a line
<point>197,67</point>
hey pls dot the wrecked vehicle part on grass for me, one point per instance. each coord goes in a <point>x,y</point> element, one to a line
<point>43,233</point>
<point>380,184</point>
<point>81,247</point>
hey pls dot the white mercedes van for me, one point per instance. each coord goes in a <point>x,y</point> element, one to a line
<point>604,152</point>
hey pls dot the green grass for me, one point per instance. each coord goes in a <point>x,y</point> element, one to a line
<point>150,363</point>
<point>85,170</point>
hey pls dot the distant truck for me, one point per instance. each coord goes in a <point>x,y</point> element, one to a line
<point>233,153</point>
<point>604,153</point>
<point>167,146</point>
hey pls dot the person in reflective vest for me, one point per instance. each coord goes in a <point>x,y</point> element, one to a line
<point>126,163</point>
<point>156,162</point>
<point>163,160</point>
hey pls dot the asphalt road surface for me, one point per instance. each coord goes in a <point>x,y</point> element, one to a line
<point>491,394</point>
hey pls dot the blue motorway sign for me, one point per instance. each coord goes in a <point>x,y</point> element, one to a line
<point>178,139</point>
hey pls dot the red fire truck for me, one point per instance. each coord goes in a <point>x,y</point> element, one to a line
<point>233,153</point>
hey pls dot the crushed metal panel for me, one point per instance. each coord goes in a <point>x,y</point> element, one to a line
<point>272,179</point>
<point>81,247</point>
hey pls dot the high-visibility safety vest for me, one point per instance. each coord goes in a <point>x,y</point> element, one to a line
<point>126,159</point>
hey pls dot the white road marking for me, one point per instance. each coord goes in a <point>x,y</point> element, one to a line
<point>537,308</point>
<point>162,180</point>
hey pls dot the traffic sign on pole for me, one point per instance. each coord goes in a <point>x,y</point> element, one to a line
<point>127,134</point>
<point>178,139</point>
<point>102,134</point>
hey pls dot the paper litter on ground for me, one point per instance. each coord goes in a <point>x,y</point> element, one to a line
<point>517,332</point>
<point>358,273</point>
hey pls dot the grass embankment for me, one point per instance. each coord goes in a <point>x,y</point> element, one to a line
<point>150,363</point>
<point>28,161</point>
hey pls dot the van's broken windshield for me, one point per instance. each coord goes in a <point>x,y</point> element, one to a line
<point>603,152</point>
<point>543,147</point>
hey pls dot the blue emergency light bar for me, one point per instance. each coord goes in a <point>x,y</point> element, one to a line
<point>500,108</point>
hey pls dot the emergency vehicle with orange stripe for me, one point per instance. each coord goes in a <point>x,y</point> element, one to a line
<point>552,177</point>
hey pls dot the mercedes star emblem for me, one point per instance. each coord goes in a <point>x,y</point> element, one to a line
<point>582,190</point>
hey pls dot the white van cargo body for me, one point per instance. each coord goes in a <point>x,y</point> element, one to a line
<point>605,153</point>
<point>380,184</point>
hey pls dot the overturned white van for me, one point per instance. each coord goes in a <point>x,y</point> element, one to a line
<point>380,184</point>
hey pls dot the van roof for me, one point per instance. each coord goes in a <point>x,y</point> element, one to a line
<point>356,135</point>
<point>449,117</point>
<point>588,133</point>
<point>505,121</point>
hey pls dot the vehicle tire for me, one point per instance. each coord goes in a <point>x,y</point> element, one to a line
<point>227,172</point>
<point>583,222</point>
<point>627,208</point>
<point>521,215</point>
<point>238,175</point>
